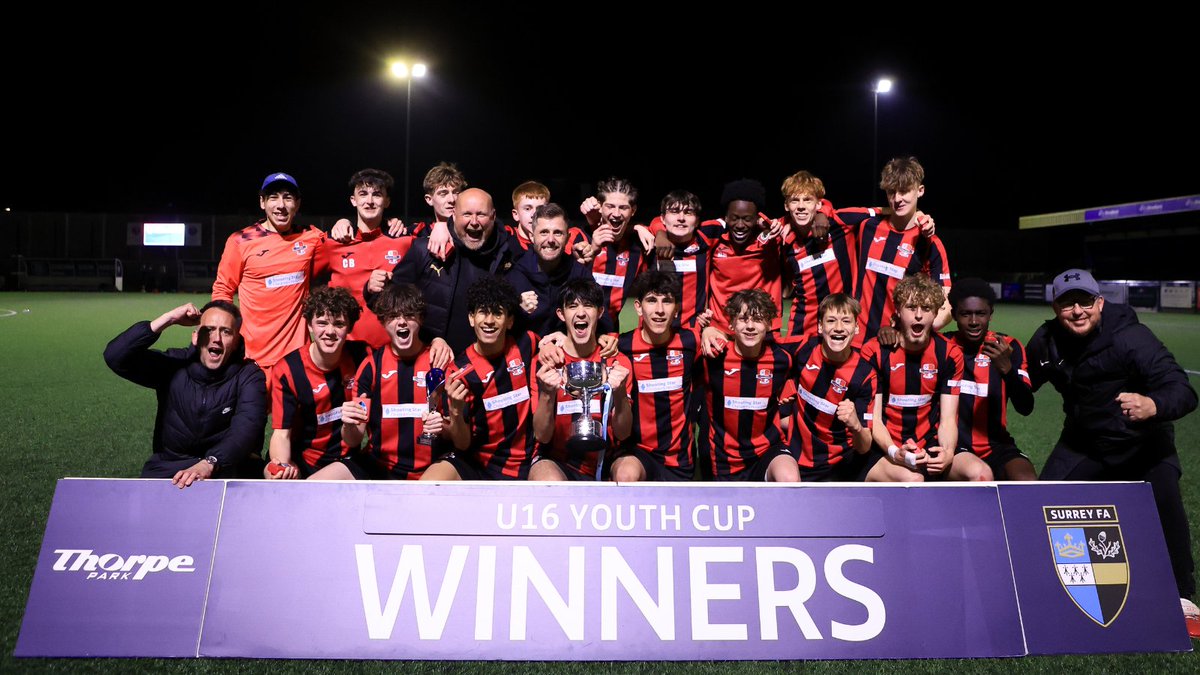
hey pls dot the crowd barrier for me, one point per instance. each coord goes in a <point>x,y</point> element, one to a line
<point>535,571</point>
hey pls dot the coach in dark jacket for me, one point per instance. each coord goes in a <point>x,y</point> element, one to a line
<point>546,267</point>
<point>1121,390</point>
<point>212,402</point>
<point>480,249</point>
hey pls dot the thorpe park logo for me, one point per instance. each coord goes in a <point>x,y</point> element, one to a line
<point>114,567</point>
<point>509,583</point>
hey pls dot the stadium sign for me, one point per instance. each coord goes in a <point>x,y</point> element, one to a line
<point>524,571</point>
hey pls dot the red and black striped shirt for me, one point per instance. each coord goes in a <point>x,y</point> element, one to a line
<point>663,407</point>
<point>885,256</point>
<point>396,388</point>
<point>742,404</point>
<point>308,401</point>
<point>690,264</point>
<point>819,439</point>
<point>983,396</point>
<point>615,267</point>
<point>912,386</point>
<point>817,268</point>
<point>498,407</point>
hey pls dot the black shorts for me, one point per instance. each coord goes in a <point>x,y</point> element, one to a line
<point>364,467</point>
<point>756,471</point>
<point>656,469</point>
<point>852,469</point>
<point>998,457</point>
<point>467,470</point>
<point>570,473</point>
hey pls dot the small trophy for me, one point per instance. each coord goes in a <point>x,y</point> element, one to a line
<point>434,379</point>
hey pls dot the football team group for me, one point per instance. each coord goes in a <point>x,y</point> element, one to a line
<point>446,350</point>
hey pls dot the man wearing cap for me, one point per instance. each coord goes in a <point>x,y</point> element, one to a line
<point>1121,390</point>
<point>269,266</point>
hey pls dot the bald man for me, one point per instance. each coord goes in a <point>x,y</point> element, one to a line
<point>480,248</point>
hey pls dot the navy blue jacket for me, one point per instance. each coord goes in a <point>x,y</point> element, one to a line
<point>201,412</point>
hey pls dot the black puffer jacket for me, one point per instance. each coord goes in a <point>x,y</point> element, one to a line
<point>1122,355</point>
<point>444,283</point>
<point>201,412</point>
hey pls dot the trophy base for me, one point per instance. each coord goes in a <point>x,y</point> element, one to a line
<point>586,443</point>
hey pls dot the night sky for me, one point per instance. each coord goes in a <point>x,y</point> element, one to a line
<point>186,114</point>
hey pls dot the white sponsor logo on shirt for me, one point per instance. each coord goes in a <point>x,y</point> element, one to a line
<point>404,410</point>
<point>827,407</point>
<point>504,400</point>
<point>885,268</point>
<point>973,388</point>
<point>816,260</point>
<point>685,266</point>
<point>281,280</point>
<point>661,384</point>
<point>330,416</point>
<point>746,402</point>
<point>610,280</point>
<point>909,400</point>
<point>575,406</point>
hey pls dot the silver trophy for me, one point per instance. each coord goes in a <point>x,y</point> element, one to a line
<point>585,379</point>
<point>434,380</point>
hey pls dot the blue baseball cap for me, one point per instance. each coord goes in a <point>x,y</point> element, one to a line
<point>1075,280</point>
<point>279,178</point>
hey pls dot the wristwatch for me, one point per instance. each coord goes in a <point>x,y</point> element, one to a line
<point>213,461</point>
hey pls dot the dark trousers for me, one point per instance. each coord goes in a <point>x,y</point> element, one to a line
<point>1156,466</point>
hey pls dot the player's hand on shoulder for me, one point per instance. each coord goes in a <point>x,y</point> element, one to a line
<point>713,342</point>
<point>440,353</point>
<point>607,345</point>
<point>925,222</point>
<point>342,231</point>
<point>396,227</point>
<point>888,336</point>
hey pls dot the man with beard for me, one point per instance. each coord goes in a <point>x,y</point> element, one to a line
<point>539,275</point>
<point>480,249</point>
<point>212,402</point>
<point>527,198</point>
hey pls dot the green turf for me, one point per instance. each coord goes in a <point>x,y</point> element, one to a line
<point>69,416</point>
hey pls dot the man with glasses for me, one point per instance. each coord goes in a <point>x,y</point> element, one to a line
<point>1121,390</point>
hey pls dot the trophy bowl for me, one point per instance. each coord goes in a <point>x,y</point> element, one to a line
<point>584,375</point>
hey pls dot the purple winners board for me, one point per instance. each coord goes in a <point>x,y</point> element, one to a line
<point>527,571</point>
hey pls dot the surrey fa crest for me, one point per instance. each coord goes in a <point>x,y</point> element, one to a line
<point>1089,556</point>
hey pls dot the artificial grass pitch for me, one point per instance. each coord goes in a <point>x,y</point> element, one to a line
<point>70,416</point>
